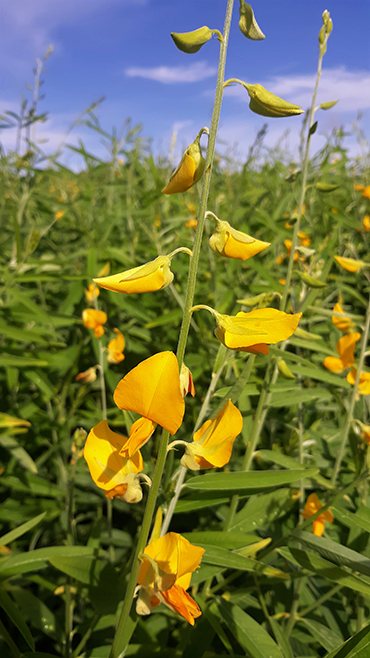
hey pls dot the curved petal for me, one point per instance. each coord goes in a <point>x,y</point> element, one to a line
<point>334,364</point>
<point>152,389</point>
<point>270,326</point>
<point>183,177</point>
<point>242,251</point>
<point>349,264</point>
<point>140,432</point>
<point>181,602</point>
<point>346,348</point>
<point>92,318</point>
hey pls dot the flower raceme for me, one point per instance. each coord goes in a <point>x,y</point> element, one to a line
<point>252,332</point>
<point>165,574</point>
<point>93,319</point>
<point>346,350</point>
<point>152,389</point>
<point>115,348</point>
<point>149,277</point>
<point>312,506</point>
<point>190,170</point>
<point>213,443</point>
<point>116,474</point>
<point>342,323</point>
<point>226,241</point>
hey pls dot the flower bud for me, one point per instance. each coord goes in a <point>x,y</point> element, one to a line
<point>190,170</point>
<point>152,276</point>
<point>186,381</point>
<point>226,241</point>
<point>191,42</point>
<point>322,35</point>
<point>248,24</point>
<point>88,376</point>
<point>268,105</point>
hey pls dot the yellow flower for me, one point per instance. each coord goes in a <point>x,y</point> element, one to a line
<point>213,442</point>
<point>288,246</point>
<point>190,170</point>
<point>91,293</point>
<point>364,383</point>
<point>226,241</point>
<point>304,238</point>
<point>149,277</point>
<point>191,223</point>
<point>344,323</point>
<point>88,376</point>
<point>366,223</point>
<point>116,347</point>
<point>165,574</point>
<point>366,192</point>
<point>312,506</point>
<point>350,264</point>
<point>93,319</point>
<point>58,215</point>
<point>280,259</point>
<point>152,389</point>
<point>282,282</point>
<point>116,474</point>
<point>358,187</point>
<point>186,381</point>
<point>251,332</point>
<point>346,350</point>
<point>140,432</point>
<point>365,431</point>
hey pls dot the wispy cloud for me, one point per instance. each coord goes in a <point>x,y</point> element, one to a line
<point>352,88</point>
<point>170,75</point>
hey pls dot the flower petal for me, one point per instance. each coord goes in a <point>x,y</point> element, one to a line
<point>140,432</point>
<point>346,348</point>
<point>183,177</point>
<point>149,277</point>
<point>334,364</point>
<point>350,264</point>
<point>152,389</point>
<point>265,325</point>
<point>181,602</point>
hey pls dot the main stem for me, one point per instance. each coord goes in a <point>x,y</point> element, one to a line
<point>122,639</point>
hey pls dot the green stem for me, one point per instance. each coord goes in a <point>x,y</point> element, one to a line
<point>293,610</point>
<point>86,637</point>
<point>205,187</point>
<point>352,403</point>
<point>322,599</point>
<point>122,638</point>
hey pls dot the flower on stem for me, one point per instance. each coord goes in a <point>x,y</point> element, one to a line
<point>366,192</point>
<point>213,443</point>
<point>365,431</point>
<point>312,506</point>
<point>190,170</point>
<point>93,319</point>
<point>346,350</point>
<point>149,277</point>
<point>251,332</point>
<point>186,381</point>
<point>152,389</point>
<point>364,383</point>
<point>91,293</point>
<point>115,348</point>
<point>88,376</point>
<point>165,574</point>
<point>366,223</point>
<point>140,432</point>
<point>191,223</point>
<point>358,187</point>
<point>226,241</point>
<point>350,264</point>
<point>116,474</point>
<point>342,323</point>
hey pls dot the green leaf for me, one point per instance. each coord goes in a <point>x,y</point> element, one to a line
<point>16,617</point>
<point>241,481</point>
<point>281,638</point>
<point>335,552</point>
<point>34,484</point>
<point>220,538</point>
<point>199,501</point>
<point>19,453</point>
<point>316,564</point>
<point>85,569</point>
<point>21,530</point>
<point>358,646</point>
<point>321,375</point>
<point>278,458</point>
<point>35,610</point>
<point>221,557</point>
<point>262,510</point>
<point>38,559</point>
<point>20,361</point>
<point>249,633</point>
<point>299,397</point>
<point>322,634</point>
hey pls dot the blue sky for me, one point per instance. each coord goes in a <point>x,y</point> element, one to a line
<point>122,49</point>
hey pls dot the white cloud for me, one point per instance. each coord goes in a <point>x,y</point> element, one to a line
<point>352,88</point>
<point>174,74</point>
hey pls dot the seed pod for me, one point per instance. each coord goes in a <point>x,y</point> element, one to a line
<point>326,187</point>
<point>248,24</point>
<point>191,42</point>
<point>268,105</point>
<point>310,281</point>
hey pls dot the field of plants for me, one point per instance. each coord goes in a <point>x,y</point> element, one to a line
<point>262,497</point>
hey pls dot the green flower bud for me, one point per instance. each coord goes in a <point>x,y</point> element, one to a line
<point>284,369</point>
<point>328,105</point>
<point>326,187</point>
<point>310,281</point>
<point>268,105</point>
<point>322,35</point>
<point>191,42</point>
<point>248,24</point>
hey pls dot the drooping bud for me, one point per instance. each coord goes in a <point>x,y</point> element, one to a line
<point>88,376</point>
<point>248,24</point>
<point>226,241</point>
<point>186,381</point>
<point>191,42</point>
<point>190,170</point>
<point>267,104</point>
